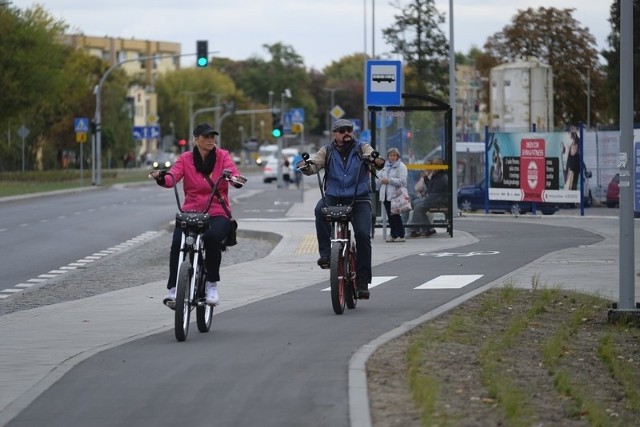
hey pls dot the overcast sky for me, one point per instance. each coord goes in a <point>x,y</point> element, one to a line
<point>321,31</point>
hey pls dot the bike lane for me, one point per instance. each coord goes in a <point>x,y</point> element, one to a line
<point>282,360</point>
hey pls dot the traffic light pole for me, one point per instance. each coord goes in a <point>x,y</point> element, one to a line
<point>97,118</point>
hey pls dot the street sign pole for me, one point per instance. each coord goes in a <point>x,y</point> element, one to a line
<point>23,132</point>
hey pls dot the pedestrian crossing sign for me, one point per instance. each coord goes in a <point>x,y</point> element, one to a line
<point>81,124</point>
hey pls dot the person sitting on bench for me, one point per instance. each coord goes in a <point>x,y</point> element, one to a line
<point>435,187</point>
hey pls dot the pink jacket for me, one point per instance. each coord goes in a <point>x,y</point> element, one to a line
<point>196,188</point>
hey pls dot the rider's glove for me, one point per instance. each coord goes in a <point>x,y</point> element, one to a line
<point>160,177</point>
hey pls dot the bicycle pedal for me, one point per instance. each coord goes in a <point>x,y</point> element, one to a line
<point>170,303</point>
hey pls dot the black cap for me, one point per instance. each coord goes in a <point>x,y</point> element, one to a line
<point>204,129</point>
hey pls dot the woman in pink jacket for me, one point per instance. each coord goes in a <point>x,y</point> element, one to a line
<point>193,168</point>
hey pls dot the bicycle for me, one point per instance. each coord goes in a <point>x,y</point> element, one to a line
<point>342,263</point>
<point>191,279</point>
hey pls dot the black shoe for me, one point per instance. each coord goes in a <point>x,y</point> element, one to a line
<point>363,291</point>
<point>429,233</point>
<point>324,263</point>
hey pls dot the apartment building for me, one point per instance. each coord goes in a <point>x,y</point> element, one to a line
<point>112,50</point>
<point>470,116</point>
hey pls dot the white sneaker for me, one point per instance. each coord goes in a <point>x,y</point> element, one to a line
<point>400,239</point>
<point>212,293</point>
<point>391,239</point>
<point>170,299</point>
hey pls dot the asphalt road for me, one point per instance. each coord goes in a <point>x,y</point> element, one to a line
<point>45,237</point>
<point>280,361</point>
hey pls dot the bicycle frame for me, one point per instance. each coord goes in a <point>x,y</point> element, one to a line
<point>190,280</point>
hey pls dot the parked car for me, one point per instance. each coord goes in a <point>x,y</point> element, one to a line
<point>613,192</point>
<point>471,198</point>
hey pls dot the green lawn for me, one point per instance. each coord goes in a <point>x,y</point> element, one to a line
<point>18,183</point>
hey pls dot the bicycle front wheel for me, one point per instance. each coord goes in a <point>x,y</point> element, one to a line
<point>337,277</point>
<point>204,312</point>
<point>350,278</point>
<point>183,309</point>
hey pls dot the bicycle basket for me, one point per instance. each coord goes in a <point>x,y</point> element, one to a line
<point>336,213</point>
<point>193,220</point>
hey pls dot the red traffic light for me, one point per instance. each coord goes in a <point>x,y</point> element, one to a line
<point>182,143</point>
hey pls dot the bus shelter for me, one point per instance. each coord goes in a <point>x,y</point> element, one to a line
<point>421,130</point>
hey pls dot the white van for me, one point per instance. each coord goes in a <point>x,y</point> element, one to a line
<point>266,151</point>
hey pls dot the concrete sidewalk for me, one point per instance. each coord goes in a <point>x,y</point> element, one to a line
<point>42,344</point>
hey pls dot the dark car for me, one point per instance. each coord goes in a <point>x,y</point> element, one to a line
<point>471,198</point>
<point>613,192</point>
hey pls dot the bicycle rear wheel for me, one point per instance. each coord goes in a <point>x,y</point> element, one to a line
<point>350,278</point>
<point>183,309</point>
<point>204,312</point>
<point>337,277</point>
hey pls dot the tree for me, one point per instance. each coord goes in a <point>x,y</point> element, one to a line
<point>612,57</point>
<point>416,35</point>
<point>204,88</point>
<point>345,78</point>
<point>257,77</point>
<point>44,84</point>
<point>556,38</point>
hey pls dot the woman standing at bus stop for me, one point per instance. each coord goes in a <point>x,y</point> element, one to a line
<point>392,184</point>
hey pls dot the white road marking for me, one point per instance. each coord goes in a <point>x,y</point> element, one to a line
<point>375,281</point>
<point>81,263</point>
<point>450,281</point>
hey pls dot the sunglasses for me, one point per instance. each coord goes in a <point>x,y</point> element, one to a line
<point>343,130</point>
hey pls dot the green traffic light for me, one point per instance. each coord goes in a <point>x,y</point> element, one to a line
<point>202,62</point>
<point>277,133</point>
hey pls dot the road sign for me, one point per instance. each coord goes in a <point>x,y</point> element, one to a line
<point>297,115</point>
<point>146,132</point>
<point>383,83</point>
<point>337,112</point>
<point>81,124</point>
<point>357,124</point>
<point>81,137</point>
<point>297,128</point>
<point>23,132</point>
<point>286,123</point>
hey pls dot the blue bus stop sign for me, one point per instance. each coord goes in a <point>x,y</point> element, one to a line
<point>383,83</point>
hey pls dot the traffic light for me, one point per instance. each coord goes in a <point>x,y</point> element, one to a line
<point>276,126</point>
<point>202,50</point>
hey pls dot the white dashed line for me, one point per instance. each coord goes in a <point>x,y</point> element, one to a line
<point>450,281</point>
<point>81,263</point>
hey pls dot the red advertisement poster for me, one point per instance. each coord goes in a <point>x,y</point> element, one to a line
<point>532,169</point>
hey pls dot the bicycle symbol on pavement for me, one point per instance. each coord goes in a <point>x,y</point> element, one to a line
<point>456,254</point>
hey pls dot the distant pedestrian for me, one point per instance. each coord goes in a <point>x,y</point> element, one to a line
<point>392,186</point>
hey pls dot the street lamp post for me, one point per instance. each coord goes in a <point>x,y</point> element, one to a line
<point>588,97</point>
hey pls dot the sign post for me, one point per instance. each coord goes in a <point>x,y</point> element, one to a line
<point>383,88</point>
<point>23,132</point>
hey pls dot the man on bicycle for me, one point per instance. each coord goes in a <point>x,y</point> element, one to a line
<point>342,161</point>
